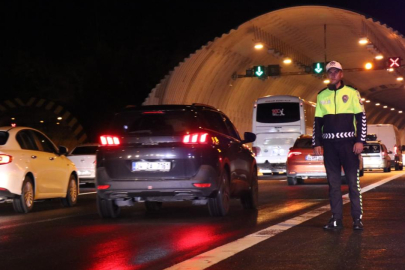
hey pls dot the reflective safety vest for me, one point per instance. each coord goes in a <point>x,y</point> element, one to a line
<point>339,115</point>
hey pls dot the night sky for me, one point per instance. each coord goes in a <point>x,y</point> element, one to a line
<point>95,57</point>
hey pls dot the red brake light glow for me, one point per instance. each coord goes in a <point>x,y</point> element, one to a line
<point>202,185</point>
<point>101,187</point>
<point>293,153</point>
<point>109,140</point>
<point>5,159</point>
<point>196,138</point>
<point>153,112</point>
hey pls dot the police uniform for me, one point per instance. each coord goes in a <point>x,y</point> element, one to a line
<point>340,122</point>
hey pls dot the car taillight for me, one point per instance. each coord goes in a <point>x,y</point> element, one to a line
<point>102,187</point>
<point>109,140</point>
<point>196,138</point>
<point>293,153</point>
<point>202,185</point>
<point>5,159</point>
<point>256,150</point>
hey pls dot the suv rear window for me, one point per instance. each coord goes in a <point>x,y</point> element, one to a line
<point>303,143</point>
<point>84,150</point>
<point>371,148</point>
<point>3,137</point>
<point>155,123</point>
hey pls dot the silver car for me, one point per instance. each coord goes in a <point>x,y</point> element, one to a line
<point>375,156</point>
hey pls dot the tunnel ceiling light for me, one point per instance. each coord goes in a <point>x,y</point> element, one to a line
<point>59,118</point>
<point>363,99</point>
<point>377,104</point>
<point>12,118</point>
<point>363,41</point>
<point>392,109</point>
<point>326,81</point>
<point>42,121</point>
<point>367,101</point>
<point>259,46</point>
<point>400,79</point>
<point>385,107</point>
<point>57,123</point>
<point>287,61</point>
<point>390,69</point>
<point>379,56</point>
<point>368,65</point>
<point>399,111</point>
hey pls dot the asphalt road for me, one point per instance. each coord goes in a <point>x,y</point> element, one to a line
<point>54,237</point>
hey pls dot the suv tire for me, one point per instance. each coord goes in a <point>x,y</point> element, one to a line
<point>291,181</point>
<point>107,208</point>
<point>219,206</point>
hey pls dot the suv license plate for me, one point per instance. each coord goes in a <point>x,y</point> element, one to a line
<point>150,166</point>
<point>314,158</point>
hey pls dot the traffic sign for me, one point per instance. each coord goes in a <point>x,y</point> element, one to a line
<point>273,70</point>
<point>394,62</point>
<point>318,68</point>
<point>259,71</point>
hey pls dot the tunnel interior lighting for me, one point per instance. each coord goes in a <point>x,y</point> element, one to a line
<point>379,56</point>
<point>326,81</point>
<point>42,121</point>
<point>390,69</point>
<point>377,104</point>
<point>399,111</point>
<point>392,109</point>
<point>13,118</point>
<point>363,99</point>
<point>287,61</point>
<point>385,107</point>
<point>367,101</point>
<point>368,65</point>
<point>259,46</point>
<point>59,118</point>
<point>363,41</point>
<point>400,79</point>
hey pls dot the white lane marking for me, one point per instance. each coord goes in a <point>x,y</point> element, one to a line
<point>211,257</point>
<point>88,193</point>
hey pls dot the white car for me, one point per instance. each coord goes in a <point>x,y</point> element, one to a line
<point>84,157</point>
<point>33,168</point>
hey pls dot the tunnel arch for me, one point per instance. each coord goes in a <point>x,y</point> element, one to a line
<point>29,112</point>
<point>209,75</point>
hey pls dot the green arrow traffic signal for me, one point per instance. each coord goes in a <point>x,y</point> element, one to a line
<point>259,71</point>
<point>318,68</point>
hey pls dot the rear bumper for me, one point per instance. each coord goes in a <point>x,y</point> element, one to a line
<point>271,167</point>
<point>159,190</point>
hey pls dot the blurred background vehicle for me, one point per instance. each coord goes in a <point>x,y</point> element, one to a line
<point>32,167</point>
<point>302,163</point>
<point>84,157</point>
<point>389,135</point>
<point>277,122</point>
<point>375,156</point>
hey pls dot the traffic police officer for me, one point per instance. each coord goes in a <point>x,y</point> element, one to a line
<point>340,127</point>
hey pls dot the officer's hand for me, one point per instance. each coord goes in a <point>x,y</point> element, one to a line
<point>318,150</point>
<point>358,148</point>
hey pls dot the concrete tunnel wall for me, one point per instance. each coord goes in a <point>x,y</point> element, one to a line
<point>206,76</point>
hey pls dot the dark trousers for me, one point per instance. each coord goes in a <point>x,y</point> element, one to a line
<point>337,154</point>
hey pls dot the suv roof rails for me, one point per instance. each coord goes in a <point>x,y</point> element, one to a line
<point>204,105</point>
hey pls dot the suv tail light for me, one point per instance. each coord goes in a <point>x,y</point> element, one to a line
<point>5,159</point>
<point>109,140</point>
<point>256,150</point>
<point>293,153</point>
<point>196,138</point>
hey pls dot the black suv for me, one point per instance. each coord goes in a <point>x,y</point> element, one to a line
<point>163,153</point>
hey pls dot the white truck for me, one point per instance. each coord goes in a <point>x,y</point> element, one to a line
<point>389,135</point>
